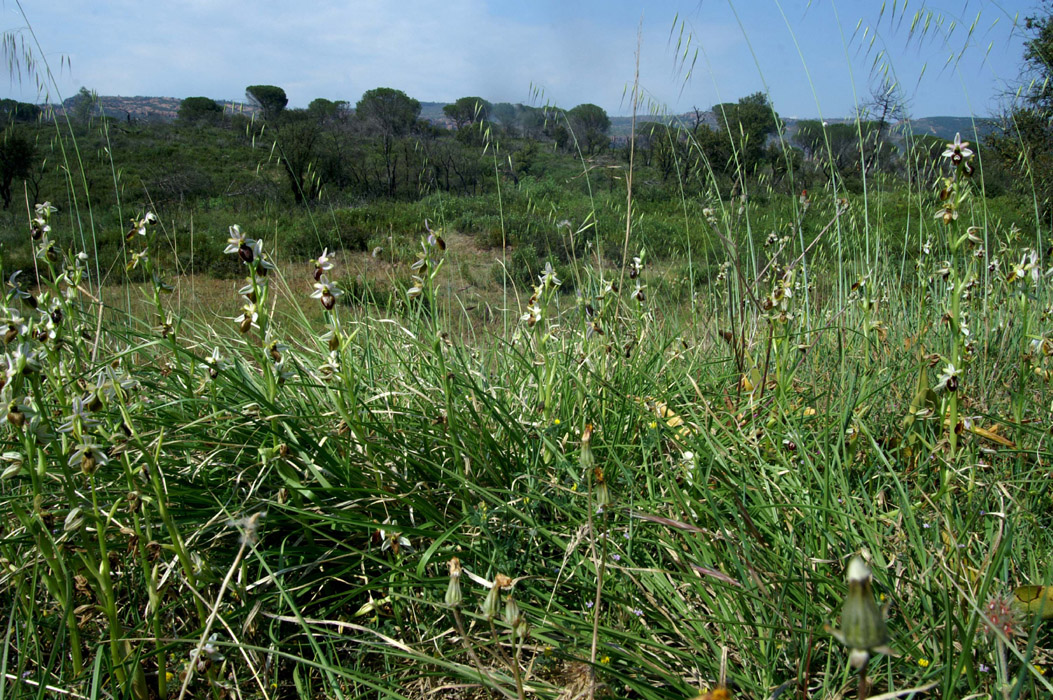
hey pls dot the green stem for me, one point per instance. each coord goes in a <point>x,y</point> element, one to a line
<point>120,647</point>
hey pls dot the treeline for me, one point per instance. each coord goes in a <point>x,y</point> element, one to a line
<point>17,147</point>
<point>746,141</point>
<point>381,149</point>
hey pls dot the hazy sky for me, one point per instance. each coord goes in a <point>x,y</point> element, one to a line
<point>819,57</point>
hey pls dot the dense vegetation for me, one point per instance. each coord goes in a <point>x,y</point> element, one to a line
<point>354,179</point>
<point>514,410</point>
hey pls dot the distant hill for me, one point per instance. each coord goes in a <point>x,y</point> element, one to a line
<point>139,108</point>
<point>165,109</point>
<point>941,127</point>
<point>432,112</point>
<point>947,127</point>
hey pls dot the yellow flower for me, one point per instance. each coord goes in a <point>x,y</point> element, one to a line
<point>556,422</point>
<point>924,663</point>
<point>605,659</point>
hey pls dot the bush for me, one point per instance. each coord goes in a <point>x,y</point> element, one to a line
<point>359,291</point>
<point>356,228</point>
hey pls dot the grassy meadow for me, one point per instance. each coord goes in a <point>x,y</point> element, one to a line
<point>591,430</point>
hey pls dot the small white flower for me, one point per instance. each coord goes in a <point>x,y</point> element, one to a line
<point>16,290</point>
<point>393,540</point>
<point>139,225</point>
<point>249,316</point>
<point>323,262</point>
<point>324,287</point>
<point>548,276</point>
<point>417,289</point>
<point>532,315</point>
<point>263,263</point>
<point>216,363</point>
<point>88,455</point>
<point>948,379</point>
<point>284,370</point>
<point>236,240</point>
<point>958,149</point>
<point>211,650</point>
<point>23,360</point>
<point>331,367</point>
<point>44,210</point>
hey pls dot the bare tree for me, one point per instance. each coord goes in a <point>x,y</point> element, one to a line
<point>886,106</point>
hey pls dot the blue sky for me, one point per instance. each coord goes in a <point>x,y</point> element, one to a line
<point>817,58</point>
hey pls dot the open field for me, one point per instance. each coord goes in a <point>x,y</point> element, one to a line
<point>501,413</point>
<point>674,485</point>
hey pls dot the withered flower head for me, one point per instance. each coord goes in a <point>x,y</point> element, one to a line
<point>454,597</point>
<point>863,628</point>
<point>491,602</point>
